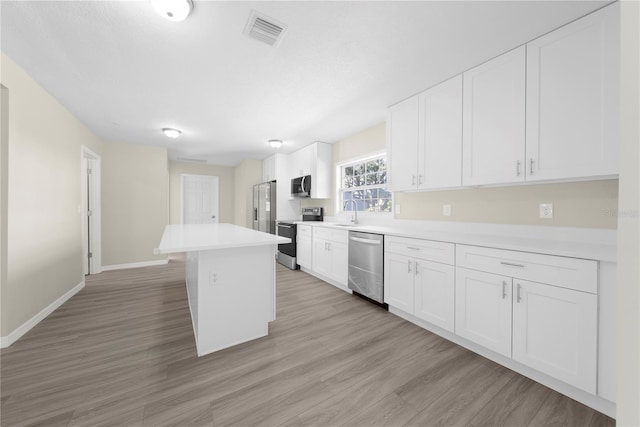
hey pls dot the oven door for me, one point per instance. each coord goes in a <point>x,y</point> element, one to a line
<point>288,230</point>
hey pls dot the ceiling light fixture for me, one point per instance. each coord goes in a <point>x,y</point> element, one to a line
<point>171,133</point>
<point>275,143</point>
<point>173,10</point>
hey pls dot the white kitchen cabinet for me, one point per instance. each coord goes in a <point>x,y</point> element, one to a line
<point>417,280</point>
<point>403,131</point>
<point>330,254</point>
<point>573,99</point>
<point>304,244</point>
<point>554,331</point>
<point>440,146</point>
<point>398,281</point>
<point>494,121</point>
<point>269,169</point>
<point>553,301</point>
<point>316,160</point>
<point>483,309</point>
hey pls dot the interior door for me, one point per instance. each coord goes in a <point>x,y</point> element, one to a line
<point>199,199</point>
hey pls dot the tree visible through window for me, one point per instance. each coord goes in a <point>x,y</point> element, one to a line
<point>365,183</point>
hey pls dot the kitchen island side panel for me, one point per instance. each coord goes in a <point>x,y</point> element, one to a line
<point>191,277</point>
<point>234,297</point>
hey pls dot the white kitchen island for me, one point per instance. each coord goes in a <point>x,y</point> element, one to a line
<point>231,278</point>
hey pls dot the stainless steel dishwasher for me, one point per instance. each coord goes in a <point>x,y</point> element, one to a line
<point>366,261</point>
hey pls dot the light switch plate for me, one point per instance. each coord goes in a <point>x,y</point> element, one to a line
<point>546,210</point>
<point>397,210</point>
<point>446,210</point>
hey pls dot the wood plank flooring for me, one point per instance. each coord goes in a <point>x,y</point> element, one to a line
<point>122,352</point>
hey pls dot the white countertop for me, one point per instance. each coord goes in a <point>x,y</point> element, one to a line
<point>596,244</point>
<point>202,237</point>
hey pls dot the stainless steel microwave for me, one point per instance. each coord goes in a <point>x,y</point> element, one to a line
<point>301,186</point>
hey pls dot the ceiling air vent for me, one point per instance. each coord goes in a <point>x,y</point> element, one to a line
<point>264,29</point>
<point>186,159</point>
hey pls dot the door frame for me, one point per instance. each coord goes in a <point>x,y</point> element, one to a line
<point>94,264</point>
<point>214,178</point>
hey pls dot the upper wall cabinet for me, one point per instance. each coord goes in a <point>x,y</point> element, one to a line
<point>573,98</point>
<point>316,160</point>
<point>269,169</point>
<point>440,148</point>
<point>494,121</point>
<point>425,139</point>
<point>403,131</point>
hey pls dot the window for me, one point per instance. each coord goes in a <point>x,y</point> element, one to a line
<point>364,181</point>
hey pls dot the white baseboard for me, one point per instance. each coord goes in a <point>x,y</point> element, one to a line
<point>29,324</point>
<point>134,265</point>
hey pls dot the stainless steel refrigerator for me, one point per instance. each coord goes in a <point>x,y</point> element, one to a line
<point>264,207</point>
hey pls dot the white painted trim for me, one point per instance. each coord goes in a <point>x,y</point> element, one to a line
<point>134,265</point>
<point>29,324</point>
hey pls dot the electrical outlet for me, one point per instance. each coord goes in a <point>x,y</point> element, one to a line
<point>213,279</point>
<point>546,210</point>
<point>397,208</point>
<point>446,210</point>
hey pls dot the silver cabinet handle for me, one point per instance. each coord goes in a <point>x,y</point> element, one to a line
<point>510,264</point>
<point>420,179</point>
<point>518,296</point>
<point>518,168</point>
<point>413,248</point>
<point>413,180</point>
<point>366,241</point>
<point>415,270</point>
<point>504,289</point>
<point>329,245</point>
<point>531,166</point>
<point>408,266</point>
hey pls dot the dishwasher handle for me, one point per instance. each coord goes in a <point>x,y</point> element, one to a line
<point>367,241</point>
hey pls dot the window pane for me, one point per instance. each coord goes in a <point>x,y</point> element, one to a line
<point>373,178</point>
<point>373,166</point>
<point>358,180</point>
<point>348,171</point>
<point>358,169</point>
<point>383,164</point>
<point>383,177</point>
<point>348,181</point>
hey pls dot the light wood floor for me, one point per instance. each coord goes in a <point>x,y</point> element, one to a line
<point>121,352</point>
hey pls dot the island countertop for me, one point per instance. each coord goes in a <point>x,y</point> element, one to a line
<point>202,237</point>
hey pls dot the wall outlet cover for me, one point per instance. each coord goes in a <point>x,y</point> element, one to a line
<point>546,210</point>
<point>446,210</point>
<point>397,209</point>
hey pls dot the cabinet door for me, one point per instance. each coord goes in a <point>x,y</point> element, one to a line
<point>303,254</point>
<point>269,169</point>
<point>398,281</point>
<point>483,309</point>
<point>555,332</point>
<point>572,99</point>
<point>435,293</point>
<point>402,138</point>
<point>321,257</point>
<point>494,121</point>
<point>339,262</point>
<point>440,150</point>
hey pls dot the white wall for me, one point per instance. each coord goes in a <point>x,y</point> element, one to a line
<point>628,308</point>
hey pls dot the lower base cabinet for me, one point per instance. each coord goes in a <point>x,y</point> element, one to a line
<point>304,246</point>
<point>331,254</point>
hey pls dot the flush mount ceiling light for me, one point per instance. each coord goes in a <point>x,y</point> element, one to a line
<point>275,143</point>
<point>171,133</point>
<point>173,10</point>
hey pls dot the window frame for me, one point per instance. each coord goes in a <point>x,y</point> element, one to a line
<point>340,190</point>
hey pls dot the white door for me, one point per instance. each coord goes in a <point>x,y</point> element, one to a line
<point>494,121</point>
<point>91,228</point>
<point>403,129</point>
<point>440,149</point>
<point>573,98</point>
<point>555,332</point>
<point>199,199</point>
<point>398,281</point>
<point>483,309</point>
<point>435,293</point>
<point>321,257</point>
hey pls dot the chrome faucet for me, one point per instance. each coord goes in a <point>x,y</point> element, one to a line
<point>354,218</point>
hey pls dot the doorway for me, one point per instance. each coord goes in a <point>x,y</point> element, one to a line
<point>199,203</point>
<point>91,219</point>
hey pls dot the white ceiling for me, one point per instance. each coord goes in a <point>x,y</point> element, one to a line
<point>126,72</point>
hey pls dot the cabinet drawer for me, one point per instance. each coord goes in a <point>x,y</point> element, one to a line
<point>429,250</point>
<point>333,235</point>
<point>571,273</point>
<point>303,230</point>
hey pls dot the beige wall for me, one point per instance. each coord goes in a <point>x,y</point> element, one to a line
<point>225,187</point>
<point>246,175</point>
<point>44,248</point>
<point>134,202</point>
<point>628,308</point>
